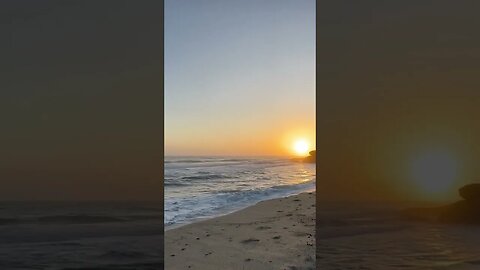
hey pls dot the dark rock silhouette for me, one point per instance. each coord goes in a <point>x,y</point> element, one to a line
<point>470,193</point>
<point>465,211</point>
<point>310,159</point>
<point>460,212</point>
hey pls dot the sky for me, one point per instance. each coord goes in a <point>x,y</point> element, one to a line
<point>398,99</point>
<point>80,100</point>
<point>239,76</point>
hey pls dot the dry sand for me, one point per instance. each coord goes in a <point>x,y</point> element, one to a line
<point>273,234</point>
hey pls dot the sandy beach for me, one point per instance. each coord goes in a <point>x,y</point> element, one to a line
<point>273,234</point>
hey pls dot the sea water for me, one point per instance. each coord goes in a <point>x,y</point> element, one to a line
<point>81,235</point>
<point>374,236</point>
<point>204,187</point>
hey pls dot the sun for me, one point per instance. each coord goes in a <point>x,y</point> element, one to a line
<point>434,172</point>
<point>301,147</point>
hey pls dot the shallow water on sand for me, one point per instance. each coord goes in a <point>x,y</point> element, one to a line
<point>376,237</point>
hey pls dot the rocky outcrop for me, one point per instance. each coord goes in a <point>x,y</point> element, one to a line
<point>465,211</point>
<point>312,158</point>
<point>471,193</point>
<point>462,212</point>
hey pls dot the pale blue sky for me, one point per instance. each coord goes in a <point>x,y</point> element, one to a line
<point>238,75</point>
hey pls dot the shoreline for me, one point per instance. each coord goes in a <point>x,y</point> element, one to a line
<point>272,234</point>
<point>201,219</point>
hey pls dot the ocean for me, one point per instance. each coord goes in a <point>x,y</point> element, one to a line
<point>81,235</point>
<point>204,187</point>
<point>377,236</point>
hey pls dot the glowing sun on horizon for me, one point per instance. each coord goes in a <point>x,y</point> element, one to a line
<point>435,172</point>
<point>301,147</point>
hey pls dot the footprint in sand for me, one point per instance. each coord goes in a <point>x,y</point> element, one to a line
<point>249,240</point>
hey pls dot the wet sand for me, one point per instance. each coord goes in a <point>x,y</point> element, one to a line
<point>273,234</point>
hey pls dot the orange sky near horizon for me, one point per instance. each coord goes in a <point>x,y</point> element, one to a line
<point>254,139</point>
<point>246,86</point>
<point>399,103</point>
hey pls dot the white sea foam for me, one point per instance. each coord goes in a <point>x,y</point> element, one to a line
<point>202,187</point>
